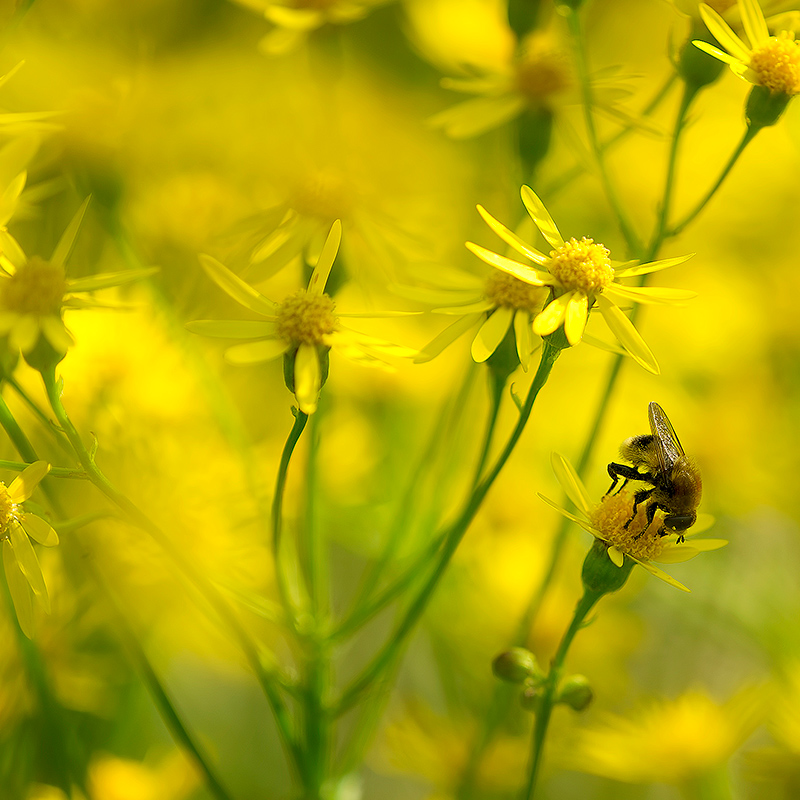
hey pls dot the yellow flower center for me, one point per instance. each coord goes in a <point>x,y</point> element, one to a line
<point>777,64</point>
<point>504,290</point>
<point>305,318</point>
<point>9,511</point>
<point>323,195</point>
<point>610,518</point>
<point>541,74</point>
<point>581,265</point>
<point>37,288</point>
<point>316,4</point>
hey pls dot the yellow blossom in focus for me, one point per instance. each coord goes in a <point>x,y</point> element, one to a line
<point>668,741</point>
<point>580,274</point>
<point>304,327</point>
<point>769,61</point>
<point>23,573</point>
<point>610,522</point>
<point>293,20</point>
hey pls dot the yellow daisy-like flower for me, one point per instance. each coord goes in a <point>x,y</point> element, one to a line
<point>303,328</point>
<point>580,274</point>
<point>610,521</point>
<point>496,303</point>
<point>23,573</point>
<point>769,61</point>
<point>539,75</point>
<point>295,19</point>
<point>34,293</point>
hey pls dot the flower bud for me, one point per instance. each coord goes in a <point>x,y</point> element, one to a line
<point>575,692</point>
<point>600,574</point>
<point>323,353</point>
<point>695,66</point>
<point>529,699</point>
<point>516,666</point>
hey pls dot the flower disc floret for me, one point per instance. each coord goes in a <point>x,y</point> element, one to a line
<point>37,288</point>
<point>503,290</point>
<point>638,539</point>
<point>9,511</point>
<point>323,195</point>
<point>777,64</point>
<point>306,318</point>
<point>542,74</point>
<point>581,266</point>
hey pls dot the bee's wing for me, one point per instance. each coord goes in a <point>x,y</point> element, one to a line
<point>668,445</point>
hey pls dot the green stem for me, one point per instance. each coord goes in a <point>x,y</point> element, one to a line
<point>545,706</point>
<point>157,691</point>
<point>314,550</point>
<point>574,21</point>
<point>748,137</point>
<point>393,647</point>
<point>207,590</point>
<point>496,386</point>
<point>300,420</point>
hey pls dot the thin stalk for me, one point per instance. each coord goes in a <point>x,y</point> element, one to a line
<point>316,722</point>
<point>748,137</point>
<point>496,386</point>
<point>545,706</point>
<point>208,591</point>
<point>314,550</point>
<point>158,693</point>
<point>455,532</point>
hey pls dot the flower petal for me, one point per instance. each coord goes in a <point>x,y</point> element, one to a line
<point>522,271</point>
<point>476,116</point>
<point>319,277</point>
<point>651,266</point>
<point>511,238</point>
<point>650,294</point>
<point>616,556</point>
<point>22,486</point>
<point>232,328</point>
<point>240,291</point>
<point>25,333</point>
<point>39,530</point>
<point>544,222</point>
<point>29,563</point>
<point>577,520</point>
<point>469,308</point>
<point>255,352</point>
<point>722,32</point>
<point>523,336</point>
<point>575,317</point>
<point>721,55</point>
<point>55,331</point>
<point>20,590</point>
<point>108,279</point>
<point>677,553</point>
<point>659,573</point>
<point>753,22</point>
<point>627,335</point>
<point>571,483</point>
<point>307,378</point>
<point>445,338</point>
<point>552,316</point>
<point>491,333</point>
<point>67,240</point>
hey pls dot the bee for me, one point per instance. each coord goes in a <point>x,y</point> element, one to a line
<point>659,460</point>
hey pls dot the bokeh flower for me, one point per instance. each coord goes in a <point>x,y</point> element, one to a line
<point>627,535</point>
<point>23,573</point>
<point>769,61</point>
<point>34,292</point>
<point>303,329</point>
<point>293,20</point>
<point>497,303</point>
<point>580,274</point>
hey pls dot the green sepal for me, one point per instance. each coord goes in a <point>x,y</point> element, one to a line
<point>522,16</point>
<point>764,108</point>
<point>600,574</point>
<point>697,68</point>
<point>43,357</point>
<point>323,353</point>
<point>517,665</point>
<point>505,359</point>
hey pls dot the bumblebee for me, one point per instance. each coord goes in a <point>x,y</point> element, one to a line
<point>659,460</point>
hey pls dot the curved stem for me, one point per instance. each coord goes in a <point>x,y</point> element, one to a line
<point>748,137</point>
<point>496,386</point>
<point>455,532</point>
<point>545,706</point>
<point>208,591</point>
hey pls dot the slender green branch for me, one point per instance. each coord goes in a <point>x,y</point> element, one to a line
<point>748,137</point>
<point>545,705</point>
<point>455,532</point>
<point>208,591</point>
<point>496,386</point>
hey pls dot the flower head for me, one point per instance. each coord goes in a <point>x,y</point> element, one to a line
<point>302,329</point>
<point>627,534</point>
<point>23,573</point>
<point>34,292</point>
<point>769,61</point>
<point>579,274</point>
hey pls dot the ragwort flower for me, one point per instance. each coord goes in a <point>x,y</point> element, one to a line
<point>497,303</point>
<point>610,522</point>
<point>302,329</point>
<point>23,573</point>
<point>580,274</point>
<point>34,292</point>
<point>769,61</point>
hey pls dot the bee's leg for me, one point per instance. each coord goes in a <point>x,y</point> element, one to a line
<point>640,497</point>
<point>617,471</point>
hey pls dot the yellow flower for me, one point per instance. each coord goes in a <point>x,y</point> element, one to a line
<point>295,19</point>
<point>769,61</point>
<point>34,292</point>
<point>23,573</point>
<point>498,302</point>
<point>668,741</point>
<point>538,76</point>
<point>608,521</point>
<point>303,328</point>
<point>580,274</point>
